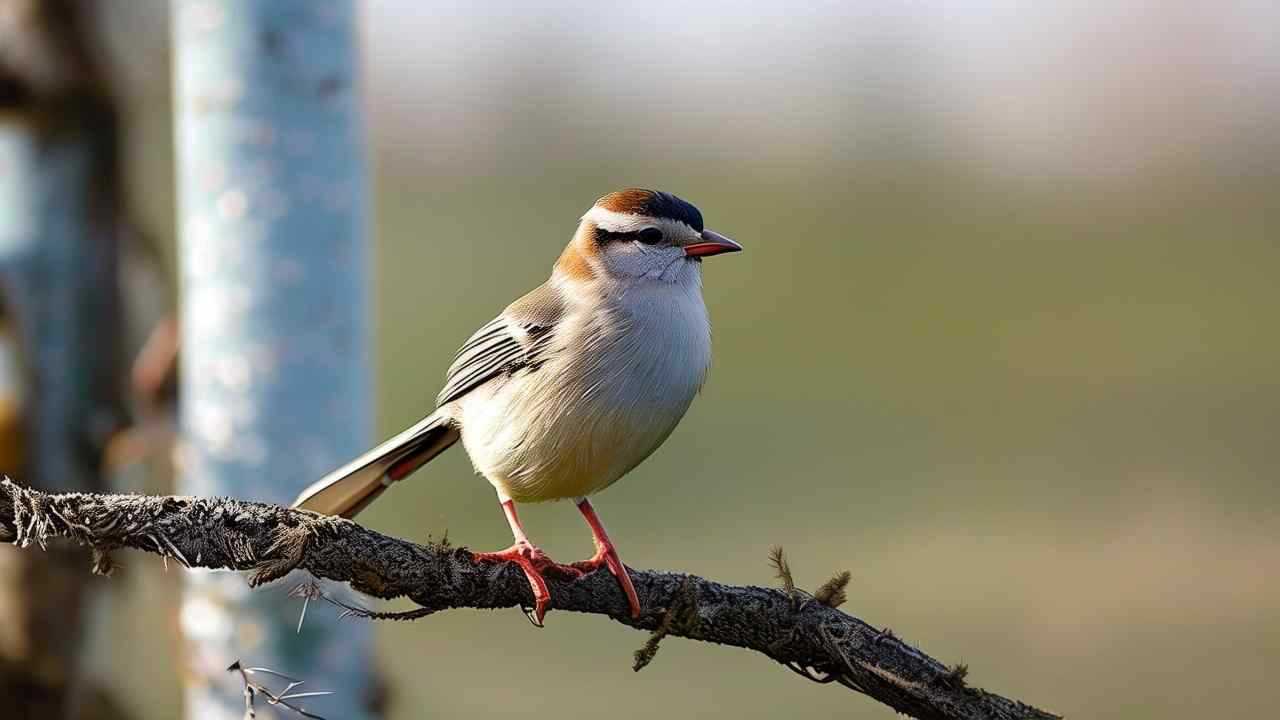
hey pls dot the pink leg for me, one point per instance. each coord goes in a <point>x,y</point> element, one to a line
<point>607,555</point>
<point>530,558</point>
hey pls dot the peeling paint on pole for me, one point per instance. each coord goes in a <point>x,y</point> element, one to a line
<point>274,268</point>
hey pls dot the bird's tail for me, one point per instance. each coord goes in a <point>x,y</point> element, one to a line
<point>349,489</point>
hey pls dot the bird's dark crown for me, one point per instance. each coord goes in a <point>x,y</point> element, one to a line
<point>652,203</point>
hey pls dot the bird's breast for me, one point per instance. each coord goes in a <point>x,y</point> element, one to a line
<point>620,378</point>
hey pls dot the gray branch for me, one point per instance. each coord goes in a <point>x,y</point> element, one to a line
<point>793,628</point>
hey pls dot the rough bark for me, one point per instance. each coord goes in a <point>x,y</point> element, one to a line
<point>790,627</point>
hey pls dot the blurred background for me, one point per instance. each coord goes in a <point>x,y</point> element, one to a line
<point>1003,342</point>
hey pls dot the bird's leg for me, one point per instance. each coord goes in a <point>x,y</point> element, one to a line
<point>607,555</point>
<point>529,557</point>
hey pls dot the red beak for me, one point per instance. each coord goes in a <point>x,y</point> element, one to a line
<point>713,243</point>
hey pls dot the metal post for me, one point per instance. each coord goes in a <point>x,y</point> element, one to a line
<point>275,365</point>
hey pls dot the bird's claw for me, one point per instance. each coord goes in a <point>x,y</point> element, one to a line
<point>608,557</point>
<point>534,562</point>
<point>537,566</point>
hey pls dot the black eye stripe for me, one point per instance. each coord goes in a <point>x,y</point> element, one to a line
<point>604,237</point>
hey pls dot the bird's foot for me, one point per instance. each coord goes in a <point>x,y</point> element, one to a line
<point>607,556</point>
<point>535,563</point>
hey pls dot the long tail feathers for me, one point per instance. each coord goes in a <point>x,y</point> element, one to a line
<point>349,489</point>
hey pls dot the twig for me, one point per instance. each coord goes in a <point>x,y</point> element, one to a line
<point>282,698</point>
<point>270,541</point>
<point>682,615</point>
<point>782,570</point>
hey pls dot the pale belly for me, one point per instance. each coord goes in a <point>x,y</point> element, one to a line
<point>534,443</point>
<point>571,429</point>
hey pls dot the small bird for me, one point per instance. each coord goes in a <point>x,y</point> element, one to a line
<point>572,385</point>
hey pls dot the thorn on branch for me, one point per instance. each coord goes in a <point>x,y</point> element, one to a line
<point>282,698</point>
<point>681,616</point>
<point>306,591</point>
<point>312,590</point>
<point>832,593</point>
<point>167,549</point>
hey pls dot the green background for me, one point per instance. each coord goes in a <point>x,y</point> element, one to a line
<point>1002,343</point>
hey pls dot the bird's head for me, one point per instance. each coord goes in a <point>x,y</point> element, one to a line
<point>632,234</point>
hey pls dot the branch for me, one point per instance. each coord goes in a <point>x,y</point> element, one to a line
<point>815,640</point>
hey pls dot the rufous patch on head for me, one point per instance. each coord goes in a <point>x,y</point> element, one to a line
<point>574,262</point>
<point>632,201</point>
<point>650,203</point>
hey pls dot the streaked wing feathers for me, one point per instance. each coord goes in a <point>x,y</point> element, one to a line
<point>516,339</point>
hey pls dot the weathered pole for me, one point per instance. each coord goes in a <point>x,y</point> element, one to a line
<point>275,386</point>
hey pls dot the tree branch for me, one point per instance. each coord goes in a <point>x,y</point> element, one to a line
<point>795,629</point>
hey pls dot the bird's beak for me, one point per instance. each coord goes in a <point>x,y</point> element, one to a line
<point>713,243</point>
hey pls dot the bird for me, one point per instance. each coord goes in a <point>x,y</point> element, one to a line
<point>571,386</point>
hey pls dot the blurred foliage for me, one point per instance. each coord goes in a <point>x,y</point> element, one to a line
<point>1006,352</point>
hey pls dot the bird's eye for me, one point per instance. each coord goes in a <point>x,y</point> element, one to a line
<point>649,236</point>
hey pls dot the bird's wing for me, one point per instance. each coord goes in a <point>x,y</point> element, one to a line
<point>518,338</point>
